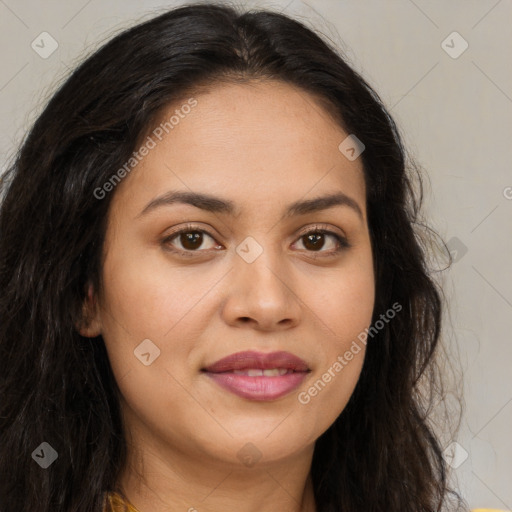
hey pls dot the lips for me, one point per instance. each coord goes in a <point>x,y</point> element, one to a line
<point>258,376</point>
<point>257,360</point>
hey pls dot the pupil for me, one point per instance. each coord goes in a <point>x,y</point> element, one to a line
<point>189,240</point>
<point>315,240</point>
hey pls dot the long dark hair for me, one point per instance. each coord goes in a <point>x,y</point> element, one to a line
<point>57,387</point>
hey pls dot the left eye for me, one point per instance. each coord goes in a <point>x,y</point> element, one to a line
<point>191,239</point>
<point>315,239</point>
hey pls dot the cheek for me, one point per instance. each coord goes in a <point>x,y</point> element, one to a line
<point>150,298</point>
<point>344,303</point>
<point>149,309</point>
<point>327,394</point>
<point>347,316</point>
<point>345,311</point>
<point>150,295</point>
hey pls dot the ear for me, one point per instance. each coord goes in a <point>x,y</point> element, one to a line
<point>90,324</point>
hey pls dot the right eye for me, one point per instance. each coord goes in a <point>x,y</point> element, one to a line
<point>191,238</point>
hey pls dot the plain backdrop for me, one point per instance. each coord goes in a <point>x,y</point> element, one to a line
<point>442,70</point>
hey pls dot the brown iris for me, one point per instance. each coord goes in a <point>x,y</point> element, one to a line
<point>315,239</point>
<point>191,240</point>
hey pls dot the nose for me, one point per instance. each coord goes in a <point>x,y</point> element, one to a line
<point>261,295</point>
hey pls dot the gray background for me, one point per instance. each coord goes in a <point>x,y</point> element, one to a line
<point>455,116</point>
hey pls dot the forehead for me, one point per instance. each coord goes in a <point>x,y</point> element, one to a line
<point>256,114</point>
<point>257,141</point>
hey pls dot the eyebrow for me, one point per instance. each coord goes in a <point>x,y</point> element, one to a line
<point>215,204</point>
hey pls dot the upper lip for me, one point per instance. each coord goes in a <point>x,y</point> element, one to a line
<point>258,360</point>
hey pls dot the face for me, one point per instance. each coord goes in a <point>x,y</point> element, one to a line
<point>249,272</point>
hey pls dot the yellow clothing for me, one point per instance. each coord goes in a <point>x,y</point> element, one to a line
<point>115,503</point>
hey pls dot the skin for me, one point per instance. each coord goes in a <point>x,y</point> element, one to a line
<point>262,145</point>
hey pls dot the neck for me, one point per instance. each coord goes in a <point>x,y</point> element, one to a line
<point>167,480</point>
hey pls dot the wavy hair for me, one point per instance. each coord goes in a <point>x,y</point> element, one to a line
<point>381,453</point>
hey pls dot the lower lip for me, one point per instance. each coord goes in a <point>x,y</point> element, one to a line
<point>261,387</point>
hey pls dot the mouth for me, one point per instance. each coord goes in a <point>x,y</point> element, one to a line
<point>252,360</point>
<point>258,376</point>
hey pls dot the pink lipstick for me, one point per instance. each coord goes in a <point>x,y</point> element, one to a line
<point>259,376</point>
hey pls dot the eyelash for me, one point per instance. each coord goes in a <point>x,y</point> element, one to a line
<point>343,244</point>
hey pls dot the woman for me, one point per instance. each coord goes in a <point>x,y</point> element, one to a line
<point>213,294</point>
